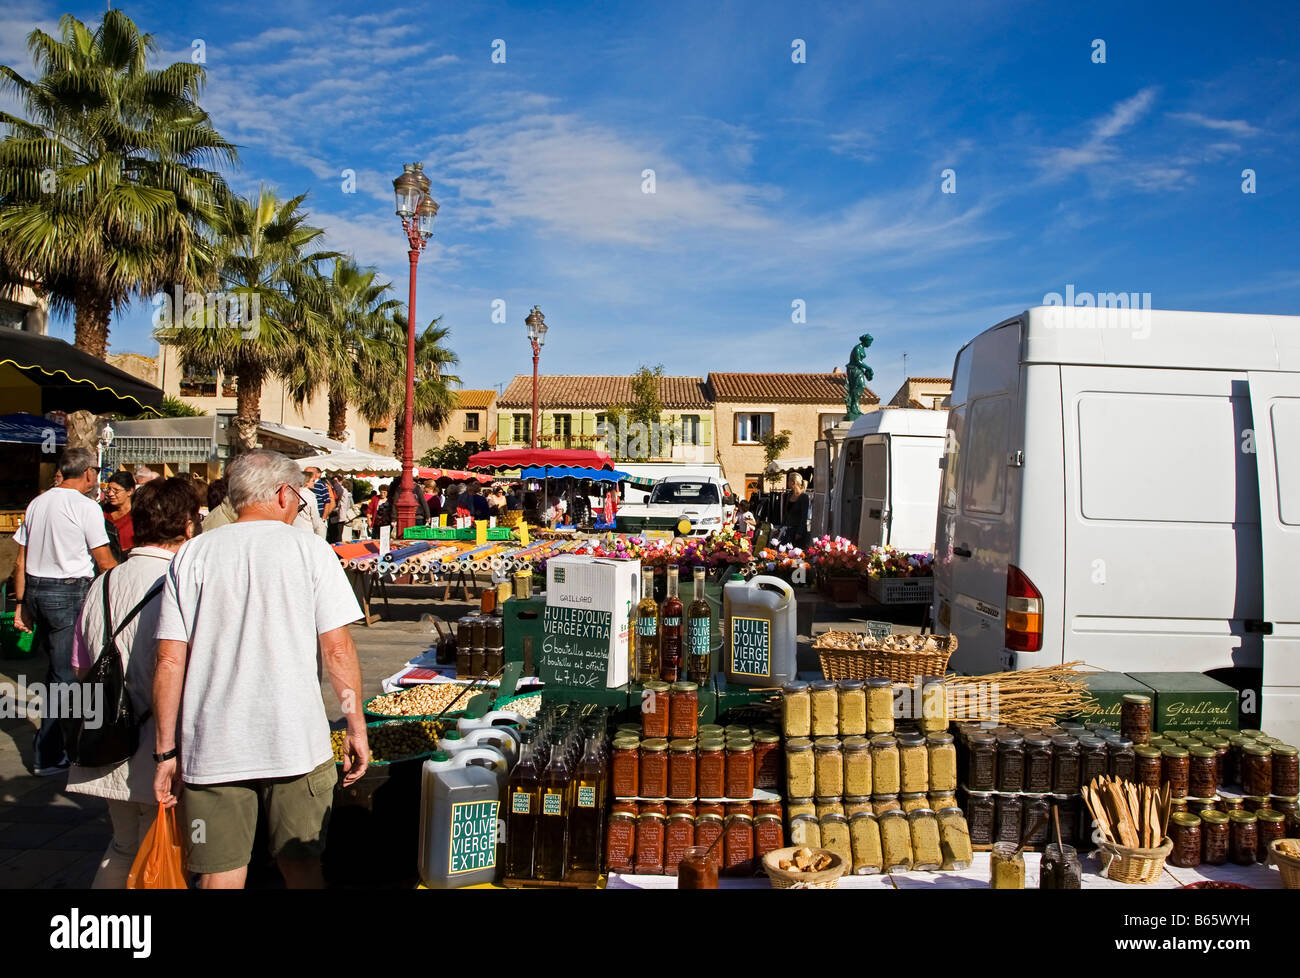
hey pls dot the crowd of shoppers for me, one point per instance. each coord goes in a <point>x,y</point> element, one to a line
<point>226,620</point>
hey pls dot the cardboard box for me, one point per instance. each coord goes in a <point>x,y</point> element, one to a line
<point>587,623</point>
<point>1190,701</point>
<point>1109,689</point>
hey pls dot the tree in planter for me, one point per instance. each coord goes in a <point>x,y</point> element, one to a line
<point>263,260</point>
<point>105,193</point>
<point>774,445</point>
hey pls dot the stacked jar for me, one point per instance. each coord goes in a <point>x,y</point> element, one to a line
<point>1014,777</point>
<point>845,759</point>
<point>711,764</point>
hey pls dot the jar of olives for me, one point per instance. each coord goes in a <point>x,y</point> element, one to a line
<point>981,766</point>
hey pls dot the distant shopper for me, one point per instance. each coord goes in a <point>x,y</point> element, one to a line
<point>798,507</point>
<point>372,509</point>
<point>433,499</point>
<point>61,541</point>
<point>118,491</point>
<point>144,474</point>
<point>744,521</point>
<point>166,514</point>
<point>476,503</point>
<point>320,489</point>
<point>245,613</point>
<point>341,512</point>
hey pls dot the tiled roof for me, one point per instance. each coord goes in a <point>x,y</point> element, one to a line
<point>928,380</point>
<point>800,388</point>
<point>475,399</point>
<point>599,392</point>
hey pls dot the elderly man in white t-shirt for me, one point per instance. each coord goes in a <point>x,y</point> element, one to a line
<point>61,541</point>
<point>245,612</point>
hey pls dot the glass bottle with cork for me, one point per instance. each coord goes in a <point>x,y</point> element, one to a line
<point>698,624</point>
<point>647,629</point>
<point>670,631</point>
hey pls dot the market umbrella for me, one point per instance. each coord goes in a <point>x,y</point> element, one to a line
<point>518,458</point>
<point>352,461</point>
<point>53,375</point>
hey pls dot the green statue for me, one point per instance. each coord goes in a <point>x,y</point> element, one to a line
<point>859,374</point>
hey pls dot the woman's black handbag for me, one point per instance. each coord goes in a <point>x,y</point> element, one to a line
<point>117,734</point>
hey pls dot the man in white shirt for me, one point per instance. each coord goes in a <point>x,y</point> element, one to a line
<point>245,613</point>
<point>61,541</point>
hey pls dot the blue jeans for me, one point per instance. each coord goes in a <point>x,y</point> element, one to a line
<point>53,606</point>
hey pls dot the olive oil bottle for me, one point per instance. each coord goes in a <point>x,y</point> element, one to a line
<point>647,629</point>
<point>553,816</point>
<point>670,632</point>
<point>523,800</point>
<point>587,817</point>
<point>699,620</point>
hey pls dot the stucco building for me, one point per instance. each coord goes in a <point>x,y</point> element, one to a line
<point>923,392</point>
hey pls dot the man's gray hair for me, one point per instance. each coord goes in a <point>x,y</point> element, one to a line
<point>254,477</point>
<point>75,461</point>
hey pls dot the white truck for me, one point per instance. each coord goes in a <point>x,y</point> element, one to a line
<point>687,505</point>
<point>1122,487</point>
<point>885,485</point>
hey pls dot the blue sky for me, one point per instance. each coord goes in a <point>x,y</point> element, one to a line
<point>774,181</point>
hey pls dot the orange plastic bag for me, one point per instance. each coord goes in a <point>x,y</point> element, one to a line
<point>159,865</point>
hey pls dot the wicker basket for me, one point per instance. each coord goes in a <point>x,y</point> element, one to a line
<point>784,879</point>
<point>1125,865</point>
<point>1288,865</point>
<point>851,655</point>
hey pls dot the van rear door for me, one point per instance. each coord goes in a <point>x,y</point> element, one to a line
<point>875,491</point>
<point>1275,408</point>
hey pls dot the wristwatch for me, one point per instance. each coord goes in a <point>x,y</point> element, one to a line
<point>166,755</point>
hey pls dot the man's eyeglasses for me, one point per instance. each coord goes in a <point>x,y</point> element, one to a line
<point>302,503</point>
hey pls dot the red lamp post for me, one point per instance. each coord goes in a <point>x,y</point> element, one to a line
<point>537,337</point>
<point>417,210</point>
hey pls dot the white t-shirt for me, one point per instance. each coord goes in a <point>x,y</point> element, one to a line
<point>61,528</point>
<point>250,599</point>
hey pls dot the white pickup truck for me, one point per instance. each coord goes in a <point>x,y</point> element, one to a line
<point>687,505</point>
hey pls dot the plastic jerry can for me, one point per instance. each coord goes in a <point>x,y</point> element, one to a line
<point>496,718</point>
<point>454,742</point>
<point>760,643</point>
<point>503,739</point>
<point>460,801</point>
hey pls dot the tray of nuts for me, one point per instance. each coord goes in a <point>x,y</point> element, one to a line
<point>394,740</point>
<point>423,702</point>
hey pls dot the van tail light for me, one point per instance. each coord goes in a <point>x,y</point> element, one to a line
<point>1024,613</point>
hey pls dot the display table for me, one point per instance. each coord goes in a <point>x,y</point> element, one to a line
<point>977,878</point>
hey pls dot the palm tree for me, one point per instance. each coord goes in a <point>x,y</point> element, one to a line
<point>104,190</point>
<point>263,260</point>
<point>385,394</point>
<point>357,353</point>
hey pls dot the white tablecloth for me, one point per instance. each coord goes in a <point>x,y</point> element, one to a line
<point>977,877</point>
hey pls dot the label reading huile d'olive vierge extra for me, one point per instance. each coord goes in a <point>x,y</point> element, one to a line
<point>551,804</point>
<point>751,646</point>
<point>647,625</point>
<point>520,803</point>
<point>697,636</point>
<point>473,836</point>
<point>586,796</point>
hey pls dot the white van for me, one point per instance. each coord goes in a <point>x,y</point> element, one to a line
<point>886,479</point>
<point>1123,487</point>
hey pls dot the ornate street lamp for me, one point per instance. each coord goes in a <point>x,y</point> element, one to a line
<point>537,337</point>
<point>417,210</point>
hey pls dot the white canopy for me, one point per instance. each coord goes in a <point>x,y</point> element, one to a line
<point>351,461</point>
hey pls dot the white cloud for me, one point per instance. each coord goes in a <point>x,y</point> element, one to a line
<point>1097,148</point>
<point>1237,127</point>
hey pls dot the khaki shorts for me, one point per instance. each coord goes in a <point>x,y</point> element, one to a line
<point>220,820</point>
